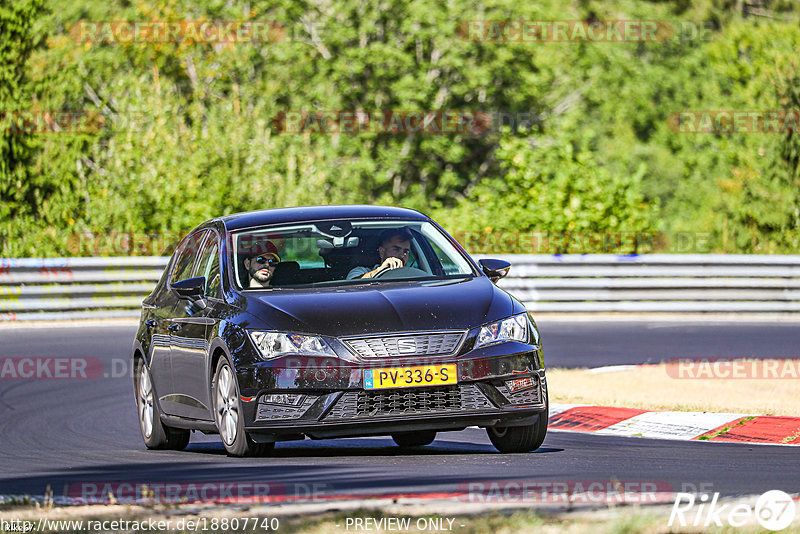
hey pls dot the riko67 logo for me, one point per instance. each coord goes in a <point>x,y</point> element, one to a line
<point>774,510</point>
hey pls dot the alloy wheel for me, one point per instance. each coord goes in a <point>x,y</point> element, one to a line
<point>146,402</point>
<point>227,405</point>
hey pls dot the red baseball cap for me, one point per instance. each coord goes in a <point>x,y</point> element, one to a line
<point>248,250</point>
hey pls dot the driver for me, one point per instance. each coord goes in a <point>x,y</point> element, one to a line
<point>393,251</point>
<point>260,263</point>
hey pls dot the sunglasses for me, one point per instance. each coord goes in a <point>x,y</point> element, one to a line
<point>272,260</point>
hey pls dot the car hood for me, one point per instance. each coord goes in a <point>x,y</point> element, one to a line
<point>382,307</point>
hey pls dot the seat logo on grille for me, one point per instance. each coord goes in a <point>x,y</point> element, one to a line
<point>406,346</point>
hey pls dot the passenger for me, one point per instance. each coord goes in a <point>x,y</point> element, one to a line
<point>260,262</point>
<point>393,252</point>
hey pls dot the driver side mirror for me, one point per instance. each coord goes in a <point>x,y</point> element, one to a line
<point>495,269</point>
<point>190,288</point>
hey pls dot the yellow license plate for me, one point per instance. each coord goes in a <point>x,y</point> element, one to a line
<point>409,377</point>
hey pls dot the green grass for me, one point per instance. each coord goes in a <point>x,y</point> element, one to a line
<point>725,429</point>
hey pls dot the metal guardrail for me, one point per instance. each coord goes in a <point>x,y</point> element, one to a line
<point>656,283</point>
<point>75,288</point>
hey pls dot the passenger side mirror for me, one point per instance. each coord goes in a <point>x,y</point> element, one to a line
<point>190,288</point>
<point>495,269</point>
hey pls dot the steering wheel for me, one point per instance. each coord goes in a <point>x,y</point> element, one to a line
<point>402,272</point>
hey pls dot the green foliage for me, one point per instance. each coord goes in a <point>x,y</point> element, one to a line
<point>555,186</point>
<point>188,130</point>
<point>20,194</point>
<point>767,216</point>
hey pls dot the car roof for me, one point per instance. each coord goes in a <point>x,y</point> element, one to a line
<point>316,213</point>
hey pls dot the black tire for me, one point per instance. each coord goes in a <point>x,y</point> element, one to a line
<point>228,414</point>
<point>177,438</point>
<point>156,435</point>
<point>414,439</point>
<point>521,438</point>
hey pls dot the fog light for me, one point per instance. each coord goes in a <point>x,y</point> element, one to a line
<point>286,399</point>
<point>520,383</point>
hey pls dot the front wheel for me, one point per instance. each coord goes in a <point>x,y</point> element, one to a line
<point>155,434</point>
<point>520,438</point>
<point>228,415</point>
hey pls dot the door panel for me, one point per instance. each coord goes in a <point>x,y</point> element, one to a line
<point>160,365</point>
<point>190,328</point>
<point>171,400</point>
<point>189,350</point>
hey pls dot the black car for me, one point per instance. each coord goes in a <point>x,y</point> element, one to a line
<point>334,321</point>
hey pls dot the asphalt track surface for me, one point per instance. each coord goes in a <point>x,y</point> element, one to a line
<point>62,433</point>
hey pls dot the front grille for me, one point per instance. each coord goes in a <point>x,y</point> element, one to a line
<point>436,343</point>
<point>473,399</point>
<point>530,395</point>
<point>427,400</point>
<point>412,401</point>
<point>278,412</point>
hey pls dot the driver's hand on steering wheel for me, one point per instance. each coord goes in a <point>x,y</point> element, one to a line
<point>388,264</point>
<point>391,263</point>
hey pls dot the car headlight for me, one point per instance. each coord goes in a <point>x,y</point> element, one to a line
<point>514,328</point>
<point>275,344</point>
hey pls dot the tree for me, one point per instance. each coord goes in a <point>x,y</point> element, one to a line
<point>18,38</point>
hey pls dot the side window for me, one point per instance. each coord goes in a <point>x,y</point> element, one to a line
<point>208,266</point>
<point>186,257</point>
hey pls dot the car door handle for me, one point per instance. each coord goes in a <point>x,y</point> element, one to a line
<point>152,323</point>
<point>174,327</point>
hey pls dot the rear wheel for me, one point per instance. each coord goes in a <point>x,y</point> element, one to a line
<point>521,438</point>
<point>155,434</point>
<point>414,439</point>
<point>228,415</point>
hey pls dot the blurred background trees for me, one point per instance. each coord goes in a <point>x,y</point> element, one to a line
<point>188,130</point>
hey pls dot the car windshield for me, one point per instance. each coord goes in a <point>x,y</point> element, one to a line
<point>340,252</point>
